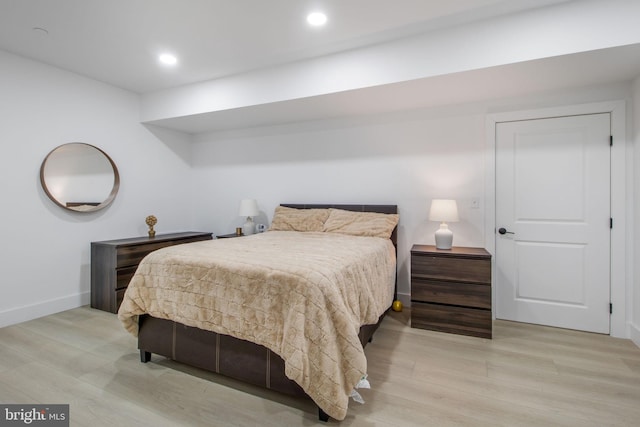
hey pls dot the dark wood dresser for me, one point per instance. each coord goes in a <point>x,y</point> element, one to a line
<point>451,290</point>
<point>113,263</point>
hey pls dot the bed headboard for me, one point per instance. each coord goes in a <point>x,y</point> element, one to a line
<point>386,209</point>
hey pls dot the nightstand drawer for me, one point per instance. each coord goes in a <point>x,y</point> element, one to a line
<point>445,318</point>
<point>451,293</point>
<point>451,268</point>
<point>451,290</point>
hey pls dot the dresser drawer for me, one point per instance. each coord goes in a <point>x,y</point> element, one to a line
<point>451,293</point>
<point>451,268</point>
<point>124,275</point>
<point>119,298</point>
<point>114,262</point>
<point>132,255</point>
<point>452,319</point>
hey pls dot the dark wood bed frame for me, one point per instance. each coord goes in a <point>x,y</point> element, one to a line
<point>229,356</point>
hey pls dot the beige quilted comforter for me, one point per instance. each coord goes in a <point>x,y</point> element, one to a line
<point>302,295</point>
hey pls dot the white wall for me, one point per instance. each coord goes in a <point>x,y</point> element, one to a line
<point>45,251</point>
<point>635,321</point>
<point>404,158</point>
<point>403,161</point>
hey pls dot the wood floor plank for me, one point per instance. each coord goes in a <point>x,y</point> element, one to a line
<point>527,375</point>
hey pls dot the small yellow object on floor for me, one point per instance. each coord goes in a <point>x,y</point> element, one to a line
<point>397,305</point>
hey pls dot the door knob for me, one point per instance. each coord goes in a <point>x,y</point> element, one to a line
<point>503,230</point>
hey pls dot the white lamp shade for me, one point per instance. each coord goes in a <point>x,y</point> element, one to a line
<point>249,207</point>
<point>443,210</point>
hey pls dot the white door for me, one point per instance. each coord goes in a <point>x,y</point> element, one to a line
<point>553,221</point>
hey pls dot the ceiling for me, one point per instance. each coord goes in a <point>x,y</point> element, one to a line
<point>118,41</point>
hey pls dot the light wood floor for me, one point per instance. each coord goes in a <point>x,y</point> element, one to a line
<point>526,376</point>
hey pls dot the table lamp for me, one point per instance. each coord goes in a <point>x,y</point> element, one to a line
<point>444,211</point>
<point>249,209</point>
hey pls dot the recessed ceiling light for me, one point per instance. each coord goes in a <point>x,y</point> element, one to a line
<point>168,59</point>
<point>317,19</point>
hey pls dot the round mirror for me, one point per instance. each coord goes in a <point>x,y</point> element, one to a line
<point>79,177</point>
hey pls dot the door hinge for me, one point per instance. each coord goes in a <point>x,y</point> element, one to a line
<point>611,140</point>
<point>610,308</point>
<point>610,222</point>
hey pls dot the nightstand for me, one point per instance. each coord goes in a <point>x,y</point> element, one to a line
<point>113,263</point>
<point>451,290</point>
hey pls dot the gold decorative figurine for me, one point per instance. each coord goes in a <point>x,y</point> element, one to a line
<point>151,221</point>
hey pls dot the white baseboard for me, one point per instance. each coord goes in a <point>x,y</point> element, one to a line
<point>635,334</point>
<point>44,308</point>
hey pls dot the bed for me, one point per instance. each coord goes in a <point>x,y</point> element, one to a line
<point>279,309</point>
